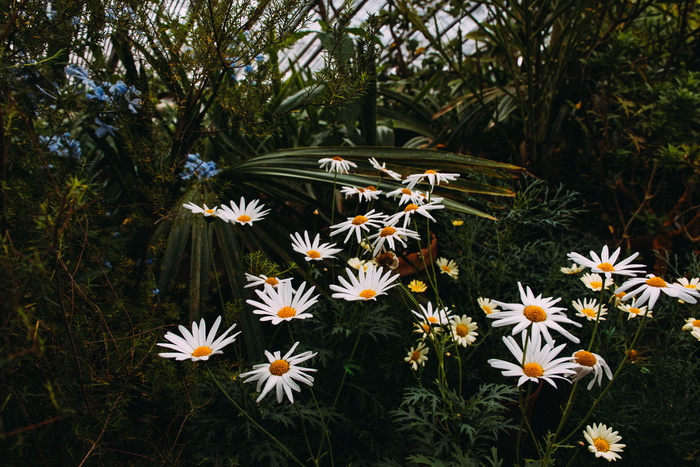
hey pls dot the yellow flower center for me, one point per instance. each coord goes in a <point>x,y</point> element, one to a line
<point>313,254</point>
<point>279,367</point>
<point>337,158</point>
<point>432,319</point>
<point>202,351</point>
<point>426,328</point>
<point>620,294</point>
<point>417,286</point>
<point>535,313</point>
<point>487,309</point>
<point>410,207</point>
<point>415,355</point>
<point>601,445</point>
<point>387,231</point>
<point>606,267</point>
<point>696,323</point>
<point>461,330</point>
<point>243,218</point>
<point>287,312</point>
<point>272,281</point>
<point>596,284</point>
<point>533,370</point>
<point>371,188</point>
<point>656,282</point>
<point>585,358</point>
<point>367,294</point>
<point>446,268</point>
<point>635,311</point>
<point>430,172</point>
<point>209,211</point>
<point>589,312</point>
<point>359,220</point>
<point>690,286</point>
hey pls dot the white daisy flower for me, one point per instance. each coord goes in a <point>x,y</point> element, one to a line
<point>535,313</point>
<point>358,224</point>
<point>417,356</point>
<point>369,193</point>
<point>536,363</point>
<point>357,263</point>
<point>281,373</point>
<point>197,345</point>
<point>432,317</point>
<point>463,330</point>
<point>412,209</point>
<point>283,303</point>
<point>595,281</point>
<point>589,309</point>
<point>695,333</point>
<point>691,324</point>
<point>313,250</point>
<point>487,305</point>
<point>367,285</point>
<point>607,263</point>
<point>262,279</point>
<point>382,168</point>
<point>336,164</point>
<point>433,177</point>
<point>603,442</point>
<point>574,269</point>
<point>448,267</point>
<point>652,286</point>
<point>205,210</point>
<point>243,214</point>
<point>587,363</point>
<point>407,195</point>
<point>390,234</point>
<point>633,310</point>
<point>693,284</point>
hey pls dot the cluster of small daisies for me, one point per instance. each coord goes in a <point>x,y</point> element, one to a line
<point>535,318</point>
<point>280,300</point>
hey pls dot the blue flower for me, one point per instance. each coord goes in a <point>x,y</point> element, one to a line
<point>118,89</point>
<point>103,129</point>
<point>99,94</point>
<point>198,167</point>
<point>63,145</point>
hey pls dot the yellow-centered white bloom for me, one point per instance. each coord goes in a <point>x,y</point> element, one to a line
<point>358,225</point>
<point>369,193</point>
<point>608,264</point>
<point>382,168</point>
<point>389,234</point>
<point>406,195</point>
<point>368,285</point>
<point>652,286</point>
<point>463,330</point>
<point>412,209</point>
<point>313,250</point>
<point>336,164</point>
<point>281,373</point>
<point>283,303</point>
<point>448,267</point>
<point>262,279</point>
<point>574,269</point>
<point>487,305</point>
<point>633,310</point>
<point>430,321</point>
<point>695,333</point>
<point>589,309</point>
<point>691,324</point>
<point>587,363</point>
<point>534,313</point>
<point>197,345</point>
<point>536,363</point>
<point>206,211</point>
<point>417,356</point>
<point>433,177</point>
<point>242,213</point>
<point>358,263</point>
<point>595,281</point>
<point>693,284</point>
<point>603,441</point>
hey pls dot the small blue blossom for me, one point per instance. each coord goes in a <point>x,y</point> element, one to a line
<point>103,129</point>
<point>63,145</point>
<point>107,264</point>
<point>196,166</point>
<point>118,89</point>
<point>99,94</point>
<point>155,291</point>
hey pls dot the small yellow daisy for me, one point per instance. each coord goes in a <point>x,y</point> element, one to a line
<point>417,286</point>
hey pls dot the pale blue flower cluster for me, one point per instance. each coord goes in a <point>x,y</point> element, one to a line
<point>196,166</point>
<point>62,145</point>
<point>106,91</point>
